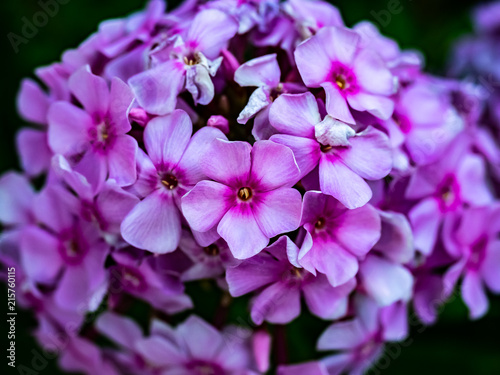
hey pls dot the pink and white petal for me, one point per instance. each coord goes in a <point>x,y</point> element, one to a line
<point>339,181</point>
<point>121,161</point>
<point>68,128</point>
<point>471,175</point>
<point>372,74</point>
<point>195,152</point>
<point>227,162</point>
<point>32,103</point>
<point>474,295</point>
<point>491,266</point>
<point>336,104</point>
<point>295,114</point>
<point>40,255</point>
<point>342,336</point>
<point>91,91</point>
<point>166,138</point>
<point>210,31</point>
<point>241,232</point>
<point>425,219</point>
<point>261,71</point>
<point>279,304</point>
<point>358,230</point>
<point>206,204</point>
<point>370,154</point>
<point>199,84</point>
<point>306,151</point>
<point>156,89</point>
<point>273,166</point>
<point>384,281</point>
<point>258,101</point>
<point>34,151</point>
<point>154,224</point>
<point>16,199</point>
<point>378,105</point>
<point>278,211</point>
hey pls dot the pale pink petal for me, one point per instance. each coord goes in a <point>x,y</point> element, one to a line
<point>206,204</point>
<point>306,151</point>
<point>154,224</point>
<point>295,114</point>
<point>336,104</point>
<point>261,71</point>
<point>91,91</point>
<point>121,161</point>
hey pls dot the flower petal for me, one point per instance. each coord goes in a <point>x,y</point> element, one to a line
<point>154,224</point>
<point>295,114</point>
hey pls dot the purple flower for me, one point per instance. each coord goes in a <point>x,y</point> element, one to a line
<point>250,199</point>
<point>185,60</point>
<point>444,187</point>
<point>336,237</point>
<point>194,347</point>
<point>169,170</point>
<point>472,239</point>
<point>351,76</point>
<point>64,252</point>
<point>96,135</point>
<point>152,279</point>
<point>360,341</point>
<point>345,157</point>
<point>280,285</point>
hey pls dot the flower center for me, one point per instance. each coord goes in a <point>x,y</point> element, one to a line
<point>341,82</point>
<point>72,250</point>
<point>170,182</point>
<point>245,193</point>
<point>320,223</point>
<point>211,250</point>
<point>296,273</point>
<point>325,148</point>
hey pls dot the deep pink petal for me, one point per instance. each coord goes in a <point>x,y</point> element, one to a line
<point>16,199</point>
<point>32,103</point>
<point>33,150</point>
<point>326,301</point>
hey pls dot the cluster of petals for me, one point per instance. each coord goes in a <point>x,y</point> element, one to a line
<point>267,147</point>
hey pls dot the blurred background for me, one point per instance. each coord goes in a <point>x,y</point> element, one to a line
<point>454,345</point>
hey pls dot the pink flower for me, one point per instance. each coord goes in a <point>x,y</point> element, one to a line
<point>345,157</point>
<point>351,76</point>
<point>97,135</point>
<point>250,199</point>
<point>169,170</point>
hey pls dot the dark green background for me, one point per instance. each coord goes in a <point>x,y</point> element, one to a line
<point>455,345</point>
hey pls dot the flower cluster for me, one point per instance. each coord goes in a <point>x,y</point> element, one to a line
<point>263,145</point>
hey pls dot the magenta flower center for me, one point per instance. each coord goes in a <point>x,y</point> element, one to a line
<point>320,223</point>
<point>344,79</point>
<point>130,278</point>
<point>211,250</point>
<point>477,254</point>
<point>72,252</point>
<point>170,182</point>
<point>245,193</point>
